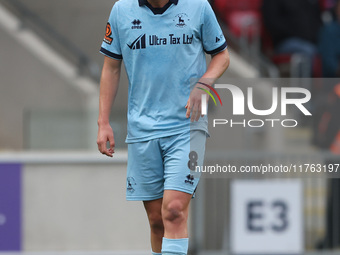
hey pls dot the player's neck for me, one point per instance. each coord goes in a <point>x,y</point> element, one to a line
<point>158,3</point>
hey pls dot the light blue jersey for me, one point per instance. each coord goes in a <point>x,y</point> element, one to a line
<point>163,50</point>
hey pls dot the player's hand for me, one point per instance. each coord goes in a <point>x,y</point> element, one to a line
<point>105,134</point>
<point>194,103</point>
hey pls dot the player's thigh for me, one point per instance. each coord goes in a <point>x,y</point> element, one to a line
<point>183,154</point>
<point>145,174</point>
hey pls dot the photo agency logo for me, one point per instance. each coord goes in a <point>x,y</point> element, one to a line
<point>280,98</point>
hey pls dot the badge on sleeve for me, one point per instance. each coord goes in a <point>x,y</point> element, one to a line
<point>108,39</point>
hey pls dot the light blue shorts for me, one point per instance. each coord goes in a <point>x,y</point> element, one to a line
<point>166,163</point>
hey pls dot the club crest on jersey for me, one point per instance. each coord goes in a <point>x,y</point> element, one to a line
<point>181,20</point>
<point>107,38</point>
<point>136,24</point>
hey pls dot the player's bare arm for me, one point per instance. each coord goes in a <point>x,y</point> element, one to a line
<point>108,89</point>
<point>219,63</point>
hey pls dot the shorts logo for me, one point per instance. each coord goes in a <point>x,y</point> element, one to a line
<point>181,20</point>
<point>139,43</point>
<point>130,183</point>
<point>108,39</point>
<point>190,179</point>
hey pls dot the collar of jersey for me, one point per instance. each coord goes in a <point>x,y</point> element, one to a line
<point>157,10</point>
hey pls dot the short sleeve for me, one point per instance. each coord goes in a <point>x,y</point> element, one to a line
<point>111,44</point>
<point>212,36</point>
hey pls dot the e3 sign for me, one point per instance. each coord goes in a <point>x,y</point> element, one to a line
<point>266,217</point>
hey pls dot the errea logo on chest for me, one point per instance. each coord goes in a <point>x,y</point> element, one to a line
<point>136,24</point>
